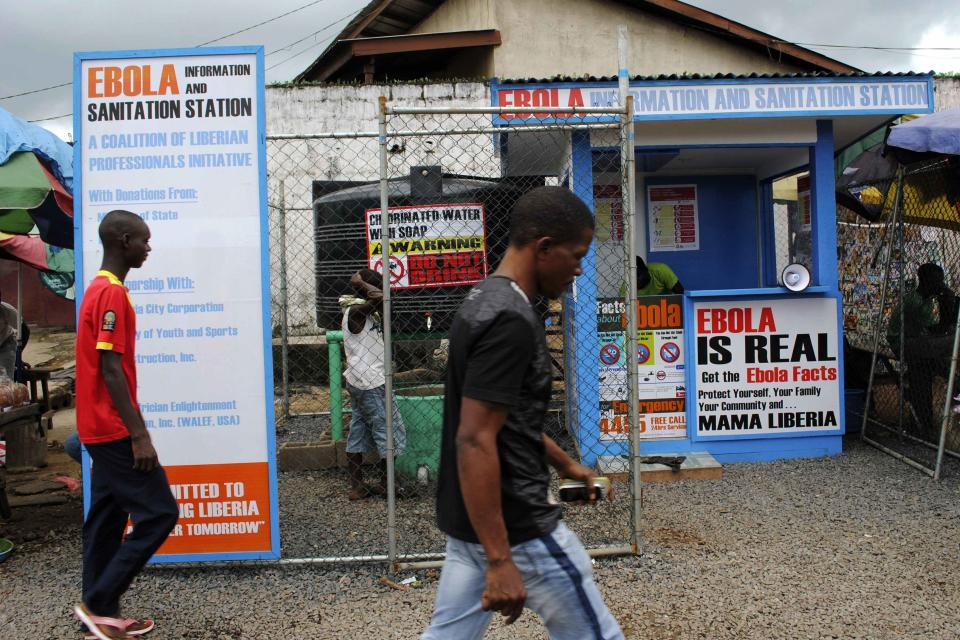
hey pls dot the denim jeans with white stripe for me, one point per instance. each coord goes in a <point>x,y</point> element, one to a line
<point>557,574</point>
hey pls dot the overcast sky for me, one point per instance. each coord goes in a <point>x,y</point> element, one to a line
<point>40,36</point>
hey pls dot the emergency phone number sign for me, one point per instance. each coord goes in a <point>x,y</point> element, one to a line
<point>437,245</point>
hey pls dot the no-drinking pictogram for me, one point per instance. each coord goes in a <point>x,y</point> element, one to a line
<point>670,352</point>
<point>609,354</point>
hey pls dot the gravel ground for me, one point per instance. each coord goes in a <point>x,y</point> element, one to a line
<point>858,546</point>
<point>303,429</point>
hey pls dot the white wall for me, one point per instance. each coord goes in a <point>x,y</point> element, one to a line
<point>946,92</point>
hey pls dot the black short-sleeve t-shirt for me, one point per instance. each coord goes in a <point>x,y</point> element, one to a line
<point>498,354</point>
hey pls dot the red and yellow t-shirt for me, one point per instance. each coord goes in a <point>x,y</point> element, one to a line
<point>107,322</point>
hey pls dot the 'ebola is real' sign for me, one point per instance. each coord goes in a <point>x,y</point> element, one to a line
<point>438,245</point>
<point>767,367</point>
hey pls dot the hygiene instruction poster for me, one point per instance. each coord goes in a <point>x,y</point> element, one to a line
<point>674,219</point>
<point>660,368</point>
<point>767,367</point>
<point>435,245</point>
<point>177,137</point>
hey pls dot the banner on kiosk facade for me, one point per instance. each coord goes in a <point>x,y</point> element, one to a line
<point>177,138</point>
<point>767,367</point>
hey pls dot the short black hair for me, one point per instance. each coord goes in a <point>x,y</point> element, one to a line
<point>553,212</point>
<point>371,277</point>
<point>930,273</point>
<point>116,223</point>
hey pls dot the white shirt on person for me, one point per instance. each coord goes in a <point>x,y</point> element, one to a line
<point>364,352</point>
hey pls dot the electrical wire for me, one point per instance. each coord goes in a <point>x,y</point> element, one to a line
<point>315,44</point>
<point>259,24</point>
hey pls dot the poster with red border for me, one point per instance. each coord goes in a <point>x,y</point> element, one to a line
<point>431,245</point>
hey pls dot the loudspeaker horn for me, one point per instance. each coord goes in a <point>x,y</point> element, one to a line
<point>795,277</point>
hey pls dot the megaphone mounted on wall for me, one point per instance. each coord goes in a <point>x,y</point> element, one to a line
<point>795,277</point>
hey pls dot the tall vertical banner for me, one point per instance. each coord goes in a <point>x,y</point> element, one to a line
<point>177,137</point>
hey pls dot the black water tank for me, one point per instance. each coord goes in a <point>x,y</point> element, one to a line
<point>339,224</point>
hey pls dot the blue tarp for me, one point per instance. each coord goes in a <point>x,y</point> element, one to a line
<point>18,135</point>
<point>938,132</point>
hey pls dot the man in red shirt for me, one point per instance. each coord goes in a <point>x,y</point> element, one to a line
<point>127,479</point>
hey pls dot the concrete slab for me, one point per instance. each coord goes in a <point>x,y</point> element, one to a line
<point>698,465</point>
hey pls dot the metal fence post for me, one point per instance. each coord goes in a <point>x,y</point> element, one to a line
<point>883,302</point>
<point>628,188</point>
<point>387,338</point>
<point>284,331</point>
<point>945,420</point>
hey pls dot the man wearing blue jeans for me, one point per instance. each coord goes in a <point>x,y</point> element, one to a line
<point>363,345</point>
<point>506,546</point>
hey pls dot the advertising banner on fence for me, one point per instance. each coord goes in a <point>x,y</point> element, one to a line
<point>660,367</point>
<point>436,245</point>
<point>767,367</point>
<point>177,138</point>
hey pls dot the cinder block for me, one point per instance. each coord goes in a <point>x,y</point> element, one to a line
<point>306,457</point>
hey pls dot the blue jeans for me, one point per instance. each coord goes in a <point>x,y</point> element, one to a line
<point>368,423</point>
<point>557,574</point>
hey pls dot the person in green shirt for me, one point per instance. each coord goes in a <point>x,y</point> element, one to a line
<point>654,279</point>
<point>929,315</point>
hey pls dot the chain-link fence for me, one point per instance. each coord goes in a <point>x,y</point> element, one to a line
<point>449,180</point>
<point>898,276</point>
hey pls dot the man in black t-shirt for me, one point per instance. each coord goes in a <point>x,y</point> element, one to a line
<point>506,545</point>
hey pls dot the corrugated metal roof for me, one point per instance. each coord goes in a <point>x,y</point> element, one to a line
<point>722,76</point>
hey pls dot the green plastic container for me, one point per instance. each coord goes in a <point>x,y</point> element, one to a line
<point>423,419</point>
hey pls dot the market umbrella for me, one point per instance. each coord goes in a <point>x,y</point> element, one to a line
<point>31,250</point>
<point>860,185</point>
<point>938,133</point>
<point>31,195</point>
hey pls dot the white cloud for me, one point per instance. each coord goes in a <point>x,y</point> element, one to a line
<point>938,35</point>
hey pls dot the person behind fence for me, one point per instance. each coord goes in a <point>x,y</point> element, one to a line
<point>11,341</point>
<point>127,481</point>
<point>363,345</point>
<point>506,545</point>
<point>929,317</point>
<point>654,279</point>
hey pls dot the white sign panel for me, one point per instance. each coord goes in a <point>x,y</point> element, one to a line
<point>177,140</point>
<point>767,367</point>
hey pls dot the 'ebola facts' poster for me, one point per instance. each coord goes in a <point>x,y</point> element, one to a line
<point>437,245</point>
<point>767,367</point>
<point>660,368</point>
<point>178,140</point>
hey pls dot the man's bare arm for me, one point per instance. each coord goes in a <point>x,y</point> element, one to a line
<point>478,467</point>
<point>144,455</point>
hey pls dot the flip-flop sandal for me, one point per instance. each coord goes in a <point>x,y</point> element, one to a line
<point>96,624</point>
<point>132,627</point>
